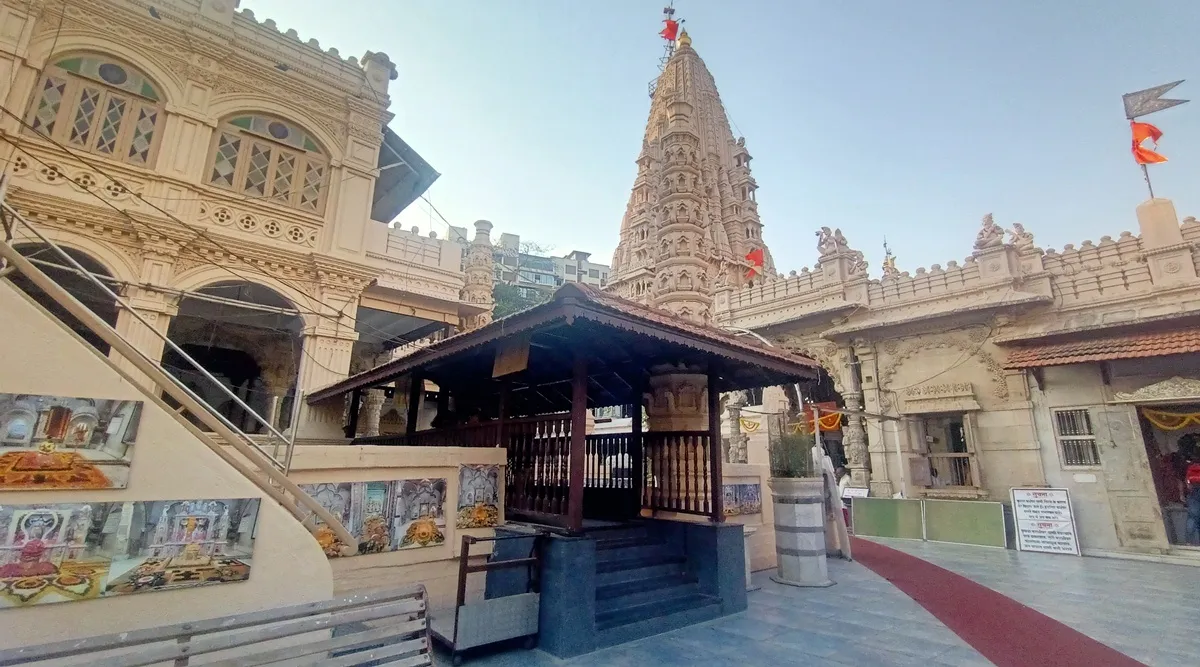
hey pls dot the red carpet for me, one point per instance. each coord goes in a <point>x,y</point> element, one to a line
<point>1005,631</point>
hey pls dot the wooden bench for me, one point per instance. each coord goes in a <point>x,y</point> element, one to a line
<point>388,627</point>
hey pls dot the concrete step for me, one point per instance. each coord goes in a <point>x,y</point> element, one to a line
<point>644,591</point>
<point>632,623</point>
<point>637,550</point>
<point>625,531</point>
<point>632,569</point>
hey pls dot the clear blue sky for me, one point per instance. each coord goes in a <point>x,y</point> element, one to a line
<point>905,119</point>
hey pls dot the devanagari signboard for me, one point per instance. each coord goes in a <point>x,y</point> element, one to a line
<point>1045,521</point>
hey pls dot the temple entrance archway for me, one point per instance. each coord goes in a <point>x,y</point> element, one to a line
<point>248,337</point>
<point>80,287</point>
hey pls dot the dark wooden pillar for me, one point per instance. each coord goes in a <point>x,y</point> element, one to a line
<point>636,452</point>
<point>578,442</point>
<point>714,443</point>
<point>355,405</point>
<point>502,413</point>
<point>416,391</point>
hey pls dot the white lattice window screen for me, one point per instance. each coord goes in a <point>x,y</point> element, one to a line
<point>269,159</point>
<point>101,107</point>
<point>1076,437</point>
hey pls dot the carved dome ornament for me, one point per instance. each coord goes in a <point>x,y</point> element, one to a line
<point>1176,389</point>
<point>969,344</point>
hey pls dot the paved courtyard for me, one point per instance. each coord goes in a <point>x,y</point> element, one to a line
<point>1145,610</point>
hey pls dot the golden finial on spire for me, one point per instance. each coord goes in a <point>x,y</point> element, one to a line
<point>684,40</point>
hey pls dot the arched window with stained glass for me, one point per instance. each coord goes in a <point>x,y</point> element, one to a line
<point>102,106</point>
<point>273,159</point>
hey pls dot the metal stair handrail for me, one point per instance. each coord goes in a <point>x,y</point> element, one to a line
<point>275,482</point>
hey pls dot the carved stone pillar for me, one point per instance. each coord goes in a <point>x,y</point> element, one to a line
<point>157,310</point>
<point>854,439</point>
<point>678,401</point>
<point>738,441</point>
<point>370,413</point>
<point>479,276</point>
<point>325,360</point>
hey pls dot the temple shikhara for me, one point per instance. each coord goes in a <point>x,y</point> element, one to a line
<point>691,226</point>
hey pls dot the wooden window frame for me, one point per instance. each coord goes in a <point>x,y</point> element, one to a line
<point>69,106</point>
<point>248,139</point>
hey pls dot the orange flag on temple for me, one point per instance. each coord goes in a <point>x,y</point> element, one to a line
<point>671,32</point>
<point>756,259</point>
<point>1142,132</point>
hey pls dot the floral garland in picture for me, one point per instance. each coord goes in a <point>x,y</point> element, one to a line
<point>1171,421</point>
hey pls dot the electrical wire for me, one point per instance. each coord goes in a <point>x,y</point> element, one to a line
<point>380,334</point>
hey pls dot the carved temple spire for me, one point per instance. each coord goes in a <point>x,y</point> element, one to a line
<point>479,275</point>
<point>692,217</point>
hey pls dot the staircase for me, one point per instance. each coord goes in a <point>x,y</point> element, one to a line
<point>643,587</point>
<point>246,455</point>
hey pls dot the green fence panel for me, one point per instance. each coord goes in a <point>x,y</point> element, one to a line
<point>965,522</point>
<point>887,517</point>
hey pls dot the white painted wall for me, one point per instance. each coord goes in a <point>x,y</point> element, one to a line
<point>38,356</point>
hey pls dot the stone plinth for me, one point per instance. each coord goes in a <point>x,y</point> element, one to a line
<point>800,531</point>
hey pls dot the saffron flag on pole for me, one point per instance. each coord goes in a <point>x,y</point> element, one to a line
<point>1142,132</point>
<point>671,31</point>
<point>756,259</point>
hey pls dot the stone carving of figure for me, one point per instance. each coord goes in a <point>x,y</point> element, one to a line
<point>722,279</point>
<point>831,241</point>
<point>1021,238</point>
<point>889,267</point>
<point>990,236</point>
<point>858,263</point>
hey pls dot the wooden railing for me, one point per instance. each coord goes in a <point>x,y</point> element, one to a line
<point>538,472</point>
<point>678,472</point>
<point>611,462</point>
<point>372,627</point>
<point>954,469</point>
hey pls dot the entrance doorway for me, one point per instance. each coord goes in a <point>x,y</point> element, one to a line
<point>1172,437</point>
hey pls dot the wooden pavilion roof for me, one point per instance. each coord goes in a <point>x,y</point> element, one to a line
<point>620,339</point>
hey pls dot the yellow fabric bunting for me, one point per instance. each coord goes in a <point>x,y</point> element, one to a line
<point>749,426</point>
<point>1171,421</point>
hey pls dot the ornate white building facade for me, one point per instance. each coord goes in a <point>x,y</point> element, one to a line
<point>1019,366</point>
<point>234,182</point>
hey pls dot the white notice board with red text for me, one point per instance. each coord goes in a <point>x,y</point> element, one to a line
<point>1045,521</point>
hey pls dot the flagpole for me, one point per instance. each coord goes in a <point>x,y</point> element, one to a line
<point>1146,175</point>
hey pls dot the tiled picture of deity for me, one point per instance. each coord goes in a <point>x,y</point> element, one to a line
<point>55,442</point>
<point>370,524</point>
<point>742,499</point>
<point>336,498</point>
<point>183,543</point>
<point>478,496</point>
<point>56,553</point>
<point>418,518</point>
<point>749,499</point>
<point>81,551</point>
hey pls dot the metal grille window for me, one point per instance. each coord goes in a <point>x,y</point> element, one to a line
<point>100,106</point>
<point>1076,437</point>
<point>270,159</point>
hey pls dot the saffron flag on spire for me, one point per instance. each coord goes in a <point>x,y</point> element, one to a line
<point>756,259</point>
<point>1142,132</point>
<point>671,31</point>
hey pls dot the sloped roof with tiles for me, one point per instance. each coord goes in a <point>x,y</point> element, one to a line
<point>617,334</point>
<point>1108,348</point>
